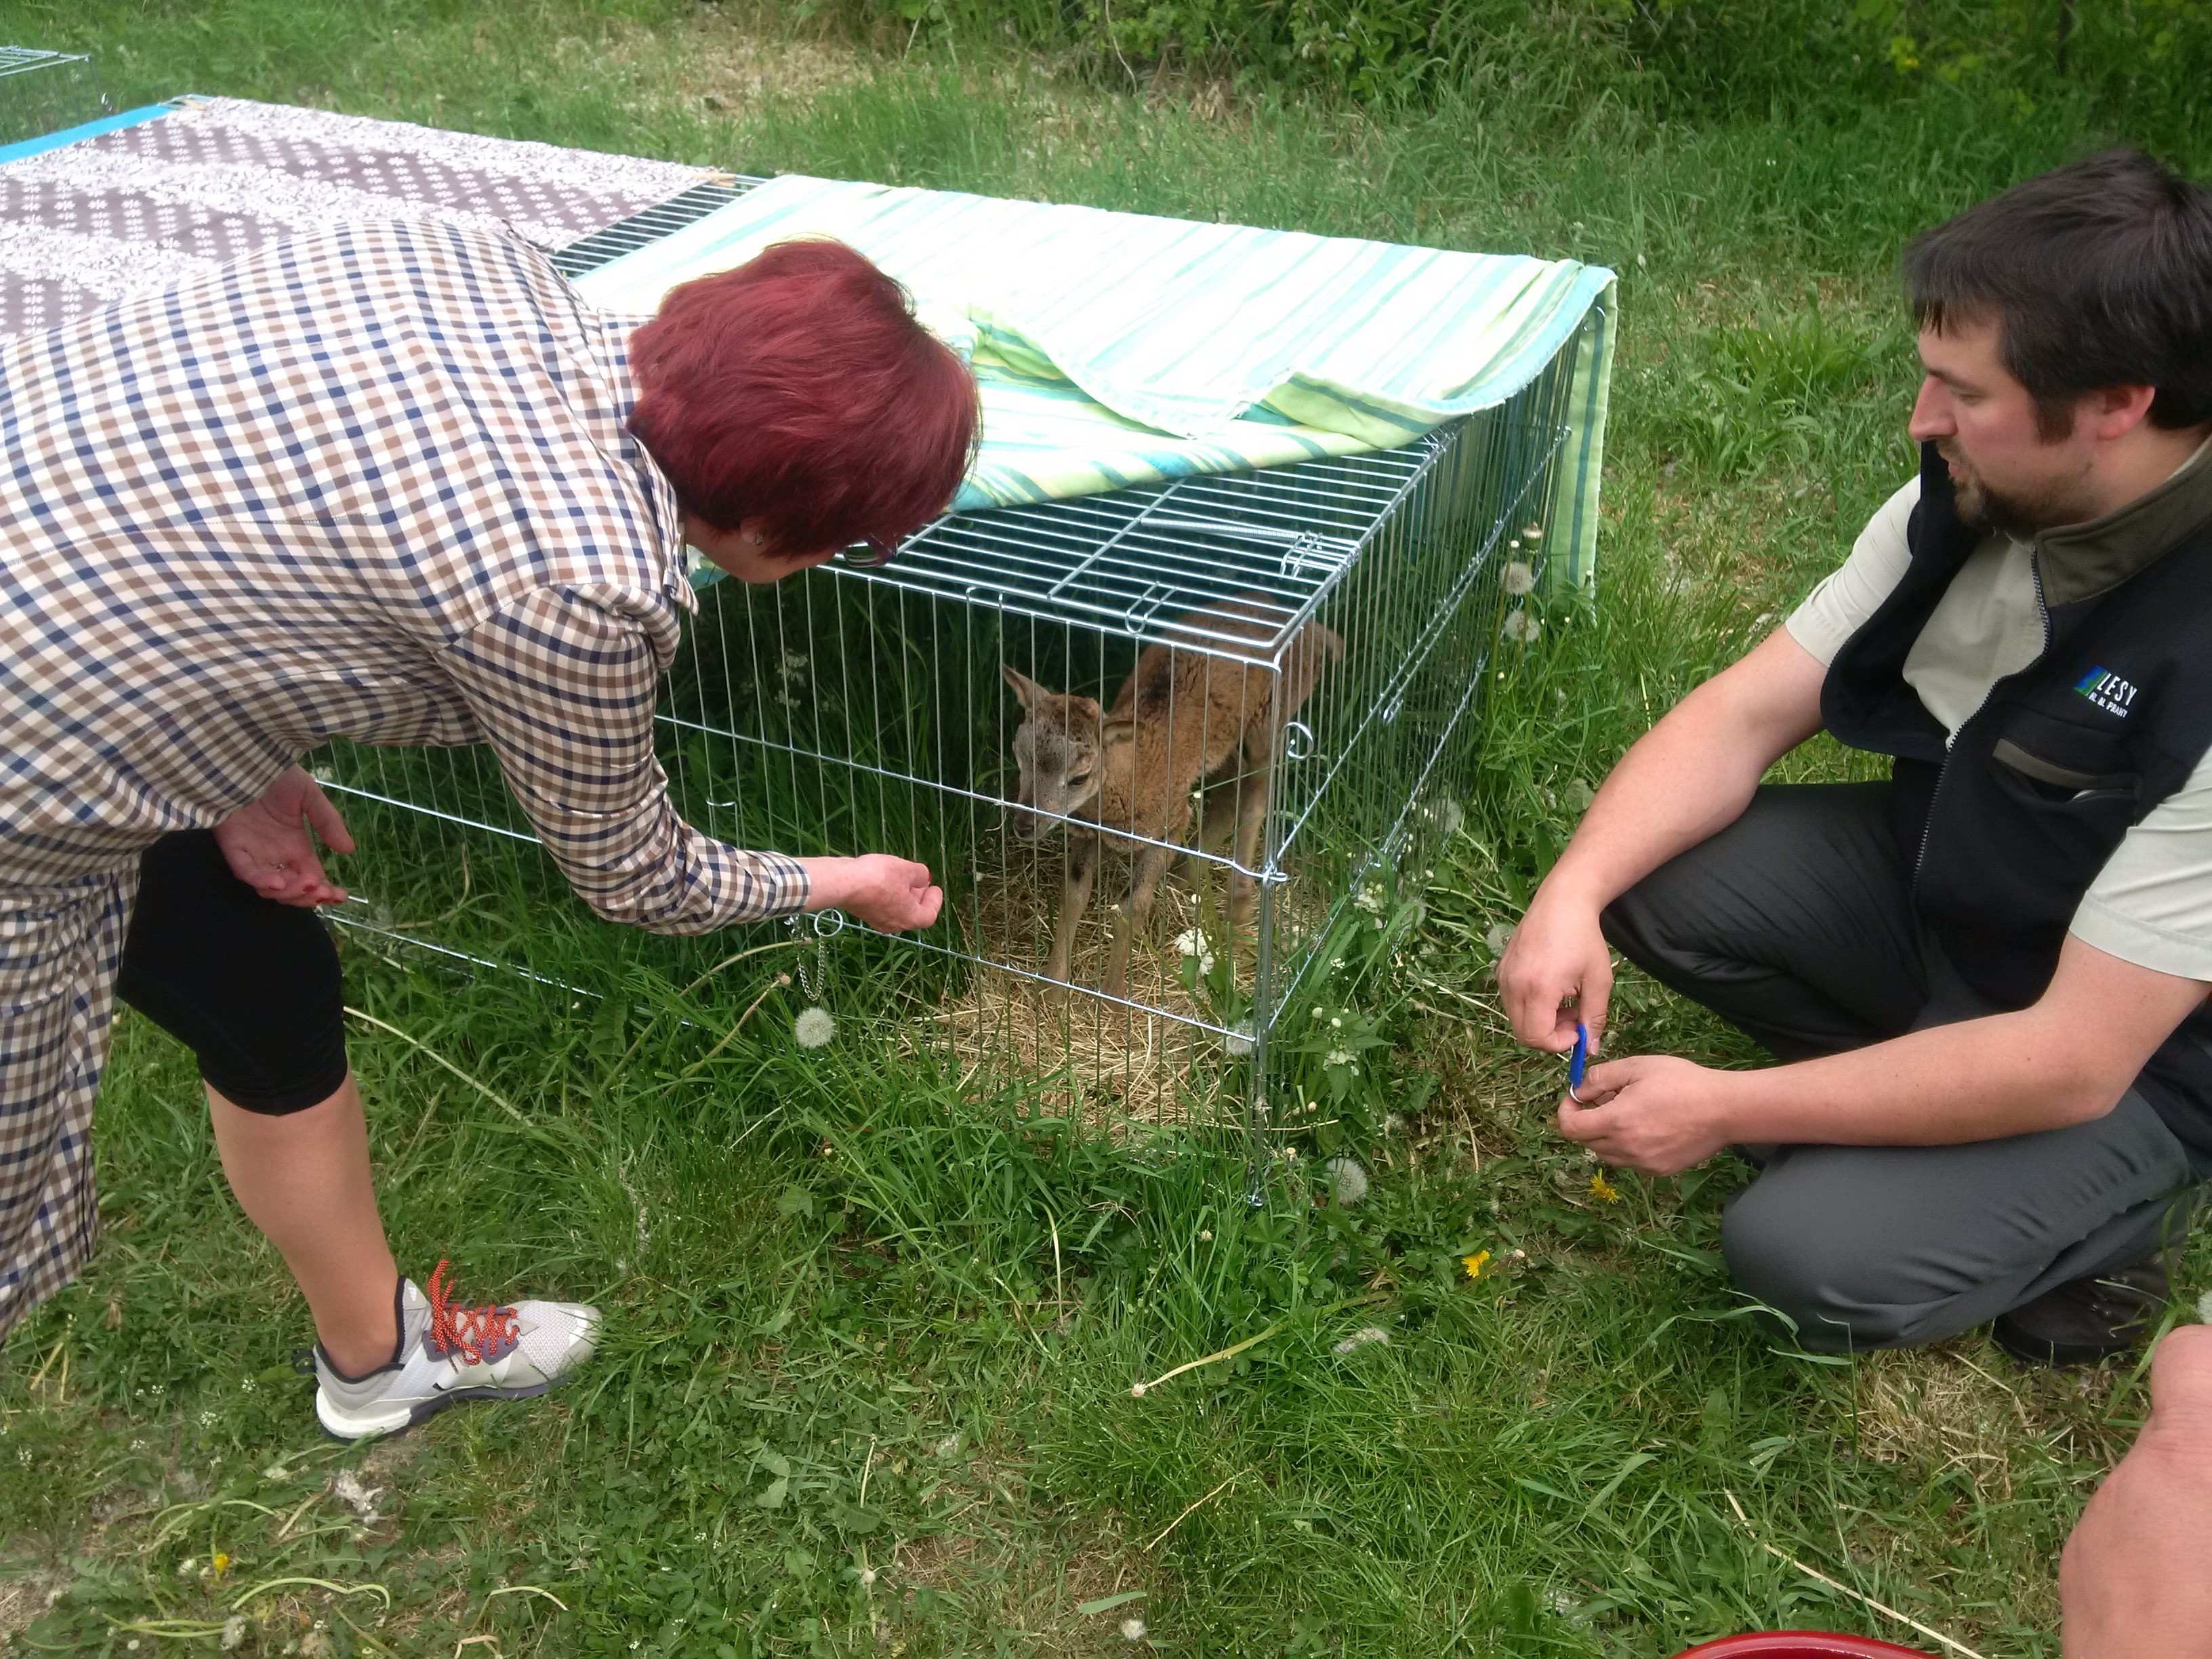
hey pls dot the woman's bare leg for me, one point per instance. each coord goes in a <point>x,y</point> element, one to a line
<point>303,1178</point>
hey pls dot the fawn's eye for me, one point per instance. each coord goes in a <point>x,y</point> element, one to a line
<point>1079,777</point>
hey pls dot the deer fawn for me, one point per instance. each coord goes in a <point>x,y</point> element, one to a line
<point>1182,721</point>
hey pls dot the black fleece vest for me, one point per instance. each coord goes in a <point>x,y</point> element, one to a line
<point>2006,830</point>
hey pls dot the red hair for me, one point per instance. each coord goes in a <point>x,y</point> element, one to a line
<point>800,390</point>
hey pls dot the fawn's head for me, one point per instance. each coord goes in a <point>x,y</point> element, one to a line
<point>1063,747</point>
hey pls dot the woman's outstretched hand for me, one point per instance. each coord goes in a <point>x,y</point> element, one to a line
<point>891,894</point>
<point>270,845</point>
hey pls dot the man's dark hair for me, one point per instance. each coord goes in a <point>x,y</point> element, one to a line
<point>2095,275</point>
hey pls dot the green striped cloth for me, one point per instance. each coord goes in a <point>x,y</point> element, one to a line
<point>1115,349</point>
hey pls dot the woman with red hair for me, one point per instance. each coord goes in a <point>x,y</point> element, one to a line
<point>392,483</point>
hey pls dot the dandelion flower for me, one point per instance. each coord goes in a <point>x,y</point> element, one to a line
<point>1360,1339</point>
<point>1517,578</point>
<point>1474,1264</point>
<point>1498,938</point>
<point>1346,1180</point>
<point>1520,626</point>
<point>1133,1629</point>
<point>813,1028</point>
<point>1600,1187</point>
<point>221,1563</point>
<point>1192,943</point>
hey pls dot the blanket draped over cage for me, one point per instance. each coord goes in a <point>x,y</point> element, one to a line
<point>1256,516</point>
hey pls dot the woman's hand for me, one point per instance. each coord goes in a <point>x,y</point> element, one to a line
<point>270,846</point>
<point>891,894</point>
<point>1651,1114</point>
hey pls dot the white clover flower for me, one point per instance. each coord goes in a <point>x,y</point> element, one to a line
<point>1347,1179</point>
<point>1517,578</point>
<point>1499,937</point>
<point>813,1028</point>
<point>1361,1338</point>
<point>1520,626</point>
<point>1337,1057</point>
<point>1239,1040</point>
<point>1133,1629</point>
<point>1192,942</point>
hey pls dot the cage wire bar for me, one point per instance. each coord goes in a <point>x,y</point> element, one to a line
<point>1276,674</point>
<point>43,92</point>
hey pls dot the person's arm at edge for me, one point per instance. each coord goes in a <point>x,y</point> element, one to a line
<point>2132,1581</point>
<point>1690,776</point>
<point>2066,1058</point>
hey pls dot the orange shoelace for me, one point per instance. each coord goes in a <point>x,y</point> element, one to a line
<point>480,1335</point>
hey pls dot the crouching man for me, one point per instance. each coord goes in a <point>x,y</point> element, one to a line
<point>1985,977</point>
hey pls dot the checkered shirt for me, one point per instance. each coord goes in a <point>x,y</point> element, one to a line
<point>373,484</point>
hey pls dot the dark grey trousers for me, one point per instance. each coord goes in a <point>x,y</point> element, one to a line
<point>1795,924</point>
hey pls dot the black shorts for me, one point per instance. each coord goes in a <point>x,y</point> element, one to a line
<point>249,985</point>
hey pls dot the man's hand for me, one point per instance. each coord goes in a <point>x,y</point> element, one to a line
<point>891,894</point>
<point>2132,1580</point>
<point>1557,956</point>
<point>1652,1115</point>
<point>269,845</point>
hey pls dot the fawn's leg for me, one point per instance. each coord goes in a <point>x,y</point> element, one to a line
<point>1143,886</point>
<point>1251,819</point>
<point>1081,870</point>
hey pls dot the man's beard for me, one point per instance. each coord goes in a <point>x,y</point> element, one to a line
<point>1981,508</point>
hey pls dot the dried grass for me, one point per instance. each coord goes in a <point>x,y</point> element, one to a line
<point>1103,1062</point>
<point>1936,1406</point>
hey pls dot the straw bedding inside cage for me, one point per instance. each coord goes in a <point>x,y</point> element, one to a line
<point>1104,1061</point>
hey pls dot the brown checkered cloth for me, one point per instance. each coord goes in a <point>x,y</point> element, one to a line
<point>369,483</point>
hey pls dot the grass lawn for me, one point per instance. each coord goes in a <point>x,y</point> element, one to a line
<point>866,1387</point>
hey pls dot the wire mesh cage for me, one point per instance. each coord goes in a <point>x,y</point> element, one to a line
<point>43,92</point>
<point>1169,750</point>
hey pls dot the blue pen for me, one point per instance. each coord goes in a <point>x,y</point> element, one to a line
<point>1576,1061</point>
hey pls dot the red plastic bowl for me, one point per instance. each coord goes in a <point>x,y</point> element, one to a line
<point>1799,1644</point>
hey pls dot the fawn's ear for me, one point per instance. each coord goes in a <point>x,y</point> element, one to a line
<point>1025,688</point>
<point>1116,732</point>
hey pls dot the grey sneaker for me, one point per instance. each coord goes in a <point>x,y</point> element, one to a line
<point>448,1354</point>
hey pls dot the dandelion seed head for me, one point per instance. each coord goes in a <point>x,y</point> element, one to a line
<point>1136,1391</point>
<point>1520,626</point>
<point>1133,1629</point>
<point>814,1027</point>
<point>1498,939</point>
<point>1517,578</point>
<point>1239,1040</point>
<point>1347,1180</point>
